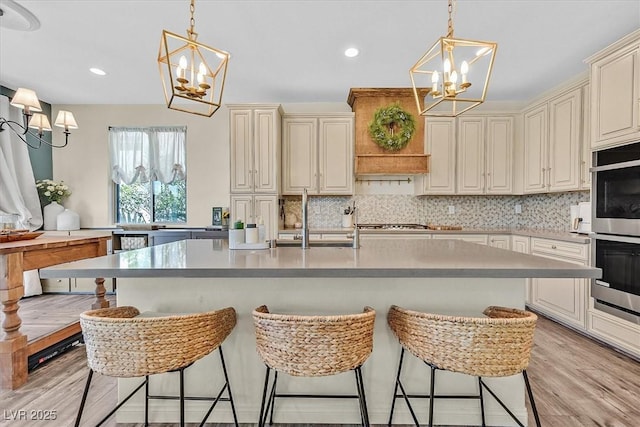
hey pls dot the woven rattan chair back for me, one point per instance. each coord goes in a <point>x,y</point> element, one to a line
<point>119,344</point>
<point>493,346</point>
<point>313,346</point>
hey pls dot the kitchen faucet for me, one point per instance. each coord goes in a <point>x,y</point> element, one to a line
<point>356,230</point>
<point>305,220</point>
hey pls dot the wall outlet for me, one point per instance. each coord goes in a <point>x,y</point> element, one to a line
<point>452,210</point>
<point>518,209</point>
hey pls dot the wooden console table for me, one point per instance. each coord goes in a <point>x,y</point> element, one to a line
<point>18,257</point>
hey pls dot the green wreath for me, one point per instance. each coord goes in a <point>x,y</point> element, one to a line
<point>392,127</point>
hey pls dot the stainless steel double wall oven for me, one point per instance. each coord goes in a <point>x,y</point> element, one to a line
<point>616,223</point>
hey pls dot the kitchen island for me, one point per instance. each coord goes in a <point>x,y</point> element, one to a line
<point>446,276</point>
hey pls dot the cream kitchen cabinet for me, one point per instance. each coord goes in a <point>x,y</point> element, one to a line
<point>254,132</point>
<point>317,154</point>
<point>440,144</point>
<point>250,208</point>
<point>481,239</point>
<point>585,163</point>
<point>559,298</point>
<point>502,241</point>
<point>615,93</point>
<point>521,244</point>
<point>394,235</point>
<point>552,155</point>
<point>485,155</point>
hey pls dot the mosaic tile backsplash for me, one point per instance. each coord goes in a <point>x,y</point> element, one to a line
<point>539,211</point>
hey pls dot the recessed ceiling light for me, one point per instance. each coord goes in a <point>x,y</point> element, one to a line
<point>97,71</point>
<point>351,52</point>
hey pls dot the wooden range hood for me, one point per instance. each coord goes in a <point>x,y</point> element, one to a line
<point>371,159</point>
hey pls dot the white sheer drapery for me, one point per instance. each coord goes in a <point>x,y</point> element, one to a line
<point>18,193</point>
<point>147,154</point>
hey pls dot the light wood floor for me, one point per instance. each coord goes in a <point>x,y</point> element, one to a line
<point>576,382</point>
<point>43,314</point>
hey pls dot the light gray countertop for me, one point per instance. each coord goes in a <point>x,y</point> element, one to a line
<point>375,258</point>
<point>542,234</point>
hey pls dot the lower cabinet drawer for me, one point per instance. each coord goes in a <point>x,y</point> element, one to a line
<point>55,285</point>
<point>614,331</point>
<point>559,248</point>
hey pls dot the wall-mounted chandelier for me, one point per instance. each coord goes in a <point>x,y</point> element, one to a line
<point>455,74</point>
<point>192,73</point>
<point>27,101</point>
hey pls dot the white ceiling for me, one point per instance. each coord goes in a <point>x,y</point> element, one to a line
<point>292,51</point>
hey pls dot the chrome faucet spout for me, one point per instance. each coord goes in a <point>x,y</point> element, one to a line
<point>356,229</point>
<point>305,220</point>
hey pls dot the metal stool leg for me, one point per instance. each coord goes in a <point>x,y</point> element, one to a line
<point>432,390</point>
<point>395,390</point>
<point>273,396</point>
<point>226,378</point>
<point>481,401</point>
<point>146,401</point>
<point>364,413</point>
<point>263,416</point>
<point>84,397</point>
<point>182,397</point>
<point>530,393</point>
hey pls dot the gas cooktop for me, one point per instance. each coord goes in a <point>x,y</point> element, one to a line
<point>393,226</point>
<point>408,227</point>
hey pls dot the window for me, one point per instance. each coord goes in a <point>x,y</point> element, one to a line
<point>149,171</point>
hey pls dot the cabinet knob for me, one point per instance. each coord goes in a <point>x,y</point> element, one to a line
<point>554,247</point>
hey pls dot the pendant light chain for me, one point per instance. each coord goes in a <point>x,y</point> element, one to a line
<point>450,22</point>
<point>193,35</point>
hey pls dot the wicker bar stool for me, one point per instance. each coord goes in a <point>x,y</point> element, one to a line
<point>498,345</point>
<point>312,346</point>
<point>121,343</point>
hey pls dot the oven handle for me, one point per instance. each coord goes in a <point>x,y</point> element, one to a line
<point>602,283</point>
<point>614,166</point>
<point>616,238</point>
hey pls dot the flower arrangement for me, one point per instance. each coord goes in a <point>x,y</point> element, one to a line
<point>51,190</point>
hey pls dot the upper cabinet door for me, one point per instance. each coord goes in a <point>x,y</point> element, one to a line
<point>471,160</point>
<point>266,153</point>
<point>615,97</point>
<point>585,143</point>
<point>499,155</point>
<point>254,135</point>
<point>335,155</point>
<point>241,150</point>
<point>563,171</point>
<point>535,149</point>
<point>440,144</point>
<point>299,151</point>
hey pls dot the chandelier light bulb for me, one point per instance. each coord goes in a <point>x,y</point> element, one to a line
<point>447,66</point>
<point>183,62</point>
<point>202,69</point>
<point>435,77</point>
<point>464,70</point>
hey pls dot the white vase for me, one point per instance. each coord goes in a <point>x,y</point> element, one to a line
<point>51,212</point>
<point>68,220</point>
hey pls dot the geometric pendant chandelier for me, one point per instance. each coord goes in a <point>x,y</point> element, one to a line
<point>193,74</point>
<point>454,74</point>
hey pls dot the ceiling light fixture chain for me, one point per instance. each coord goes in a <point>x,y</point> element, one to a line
<point>450,22</point>
<point>191,31</point>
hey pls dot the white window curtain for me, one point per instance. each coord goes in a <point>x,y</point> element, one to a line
<point>147,154</point>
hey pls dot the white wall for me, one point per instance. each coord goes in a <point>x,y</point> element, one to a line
<point>84,163</point>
